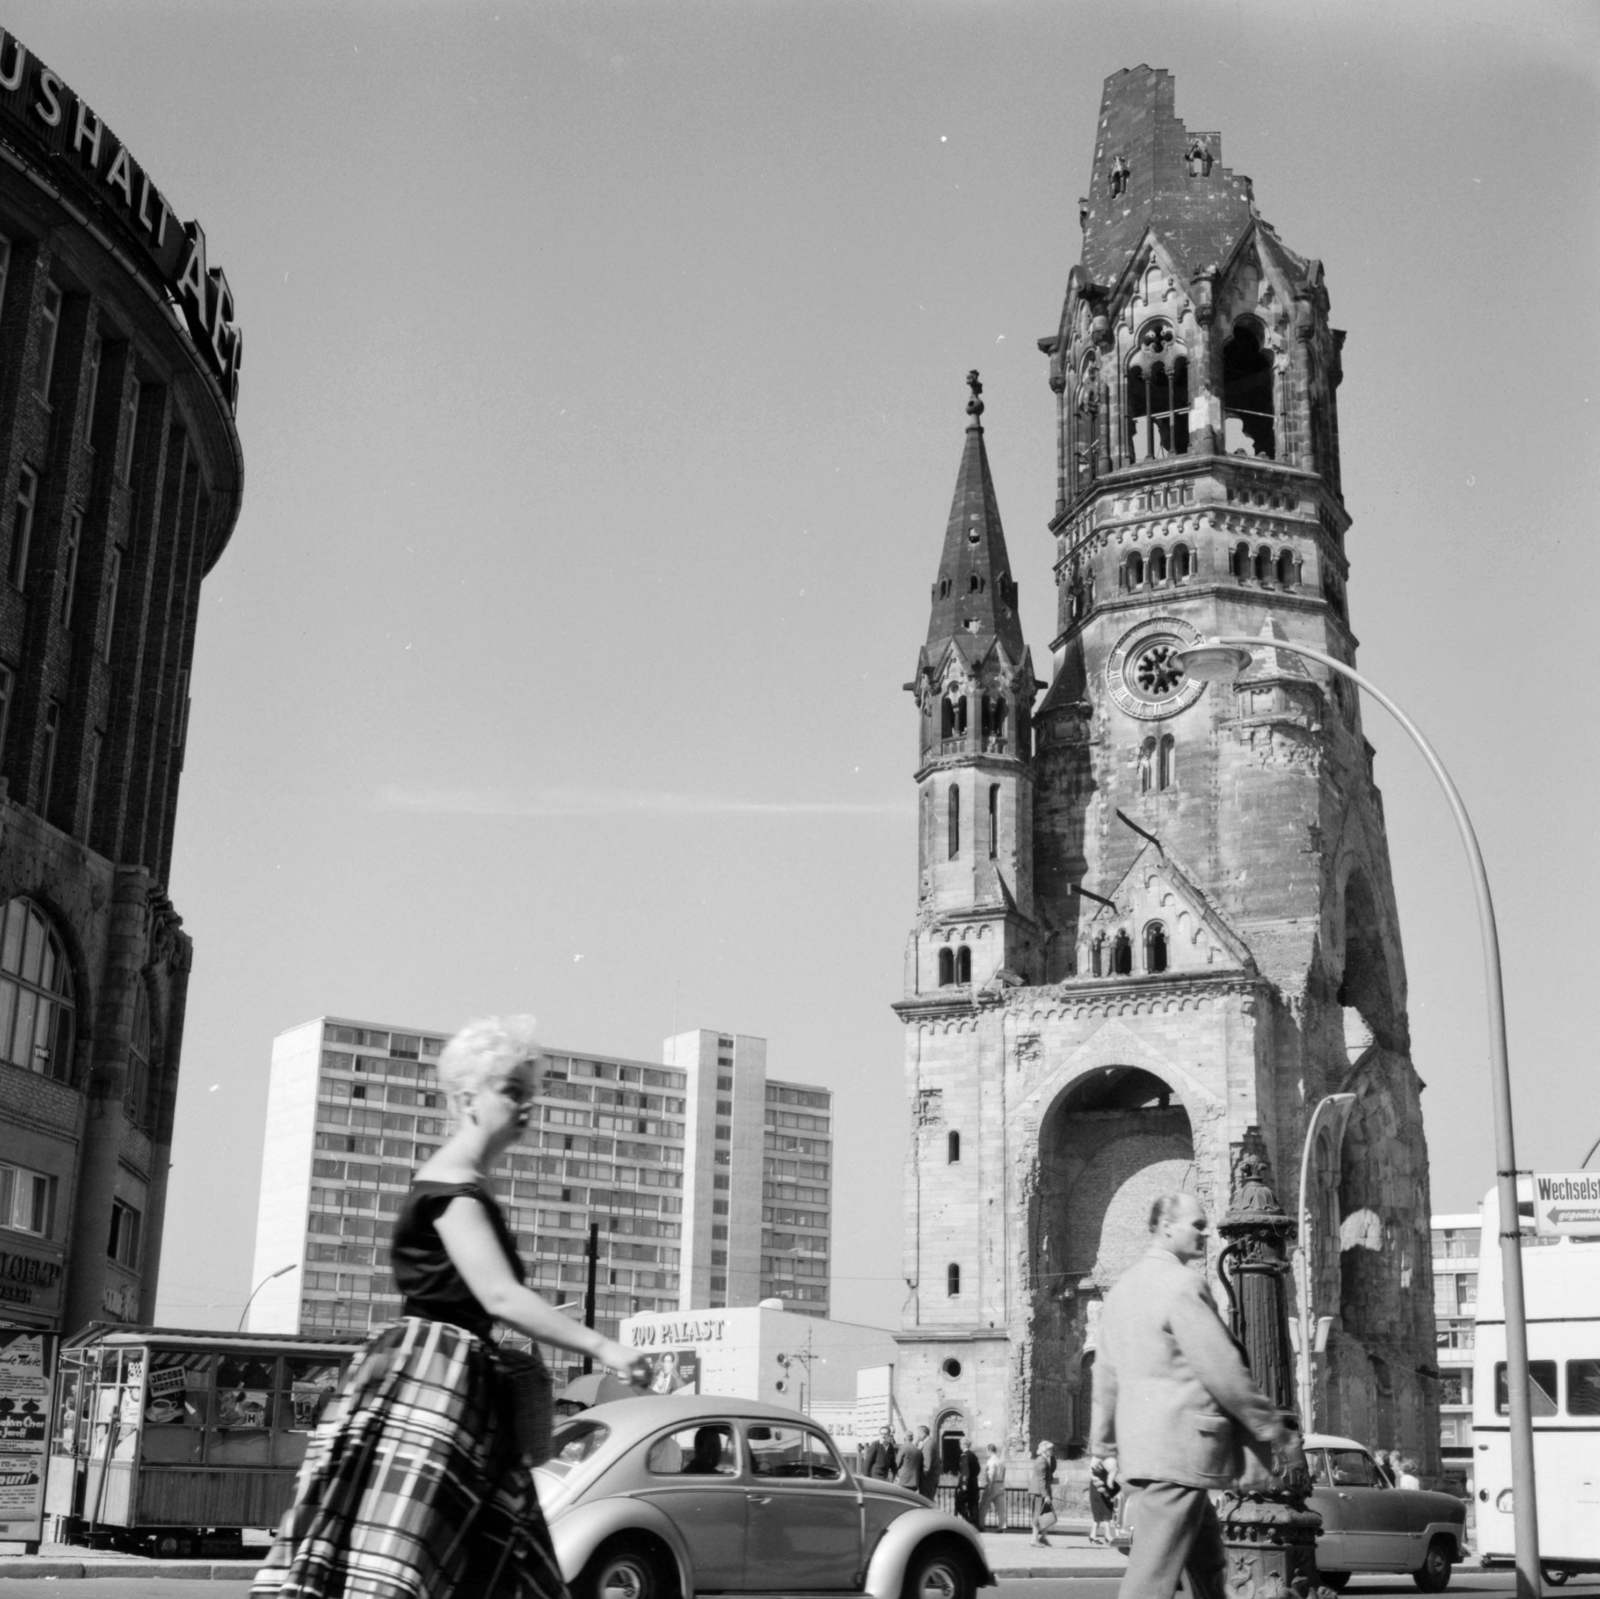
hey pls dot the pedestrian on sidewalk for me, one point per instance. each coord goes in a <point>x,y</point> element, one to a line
<point>1102,1505</point>
<point>994,1490</point>
<point>1042,1493</point>
<point>417,1482</point>
<point>969,1478</point>
<point>1408,1477</point>
<point>881,1458</point>
<point>928,1479</point>
<point>909,1471</point>
<point>1175,1410</point>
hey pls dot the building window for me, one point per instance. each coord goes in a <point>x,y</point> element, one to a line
<point>91,391</point>
<point>1158,566</point>
<point>952,1149</point>
<point>1166,762</point>
<point>1182,563</point>
<point>26,1200</point>
<point>1147,766</point>
<point>7,683</point>
<point>1248,420</point>
<point>5,267</point>
<point>136,1095</point>
<point>71,542</point>
<point>947,967</point>
<point>1158,396</point>
<point>952,1280</point>
<point>994,820</point>
<point>1155,948</point>
<point>22,526</point>
<point>963,965</point>
<point>123,1244</point>
<point>1121,955</point>
<point>52,740</point>
<point>724,1085</point>
<point>49,328</point>
<point>113,584</point>
<point>130,419</point>
<point>953,826</point>
<point>724,1133</point>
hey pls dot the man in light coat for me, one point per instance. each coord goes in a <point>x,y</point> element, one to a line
<point>1175,1409</point>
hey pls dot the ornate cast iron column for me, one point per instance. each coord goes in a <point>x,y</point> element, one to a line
<point>1270,1533</point>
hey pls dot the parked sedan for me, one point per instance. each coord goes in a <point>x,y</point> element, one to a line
<point>1369,1525</point>
<point>668,1497</point>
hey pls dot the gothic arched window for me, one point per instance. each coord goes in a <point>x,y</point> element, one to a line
<point>947,967</point>
<point>1182,563</point>
<point>1158,566</point>
<point>1249,423</point>
<point>1158,396</point>
<point>1263,565</point>
<point>953,822</point>
<point>1155,948</point>
<point>1166,762</point>
<point>963,965</point>
<point>1240,562</point>
<point>1122,955</point>
<point>36,1003</point>
<point>1286,568</point>
<point>1135,570</point>
<point>1147,766</point>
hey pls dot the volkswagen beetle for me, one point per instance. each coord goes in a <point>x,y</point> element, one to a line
<point>672,1496</point>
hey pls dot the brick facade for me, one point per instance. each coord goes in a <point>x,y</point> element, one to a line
<point>120,479</point>
<point>1173,928</point>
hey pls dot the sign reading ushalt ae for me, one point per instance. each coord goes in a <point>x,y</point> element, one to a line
<point>1566,1204</point>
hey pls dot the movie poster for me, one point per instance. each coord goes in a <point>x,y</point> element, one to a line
<point>25,1359</point>
<point>674,1371</point>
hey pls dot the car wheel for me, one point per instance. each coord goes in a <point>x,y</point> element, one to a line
<point>939,1571</point>
<point>624,1568</point>
<point>1556,1576</point>
<point>1433,1576</point>
<point>1334,1581</point>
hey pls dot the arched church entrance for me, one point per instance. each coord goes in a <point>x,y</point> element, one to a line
<point>950,1430</point>
<point>1113,1142</point>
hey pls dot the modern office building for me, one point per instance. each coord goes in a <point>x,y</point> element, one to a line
<point>120,484</point>
<point>674,1162</point>
<point>1456,1241</point>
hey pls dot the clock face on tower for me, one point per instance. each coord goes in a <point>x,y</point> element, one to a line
<point>1143,674</point>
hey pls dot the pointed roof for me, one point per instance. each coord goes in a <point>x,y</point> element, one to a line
<point>974,595</point>
<point>1151,174</point>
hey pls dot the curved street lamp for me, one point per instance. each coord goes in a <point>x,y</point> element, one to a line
<point>1222,659</point>
<point>294,1265</point>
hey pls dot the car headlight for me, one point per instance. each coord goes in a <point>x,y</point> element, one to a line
<point>1502,1501</point>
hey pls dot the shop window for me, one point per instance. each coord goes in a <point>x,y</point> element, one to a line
<point>36,1005</point>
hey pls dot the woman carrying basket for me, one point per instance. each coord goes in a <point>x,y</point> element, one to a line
<point>416,1486</point>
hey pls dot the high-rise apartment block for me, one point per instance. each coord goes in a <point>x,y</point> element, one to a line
<point>674,1162</point>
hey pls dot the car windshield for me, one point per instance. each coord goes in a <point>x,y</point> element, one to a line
<point>573,1442</point>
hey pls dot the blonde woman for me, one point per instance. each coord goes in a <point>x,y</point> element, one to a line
<point>414,1484</point>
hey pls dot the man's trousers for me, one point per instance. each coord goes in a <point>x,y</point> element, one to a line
<point>1175,1530</point>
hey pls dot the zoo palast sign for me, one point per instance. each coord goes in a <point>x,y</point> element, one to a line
<point>39,112</point>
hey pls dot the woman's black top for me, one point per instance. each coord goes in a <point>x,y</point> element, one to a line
<point>424,1273</point>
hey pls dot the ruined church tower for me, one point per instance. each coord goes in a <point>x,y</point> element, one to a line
<point>1155,922</point>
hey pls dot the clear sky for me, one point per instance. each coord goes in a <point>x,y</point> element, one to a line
<point>601,407</point>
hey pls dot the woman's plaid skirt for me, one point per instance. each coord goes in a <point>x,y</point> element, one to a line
<point>411,1488</point>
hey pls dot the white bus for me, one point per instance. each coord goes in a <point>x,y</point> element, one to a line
<point>1561,1281</point>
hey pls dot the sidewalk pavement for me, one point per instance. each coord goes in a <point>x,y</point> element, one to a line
<point>1012,1555</point>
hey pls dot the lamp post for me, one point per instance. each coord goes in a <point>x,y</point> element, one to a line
<point>294,1265</point>
<point>1335,1108</point>
<point>1222,659</point>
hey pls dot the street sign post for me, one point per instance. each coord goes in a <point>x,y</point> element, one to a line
<point>1566,1204</point>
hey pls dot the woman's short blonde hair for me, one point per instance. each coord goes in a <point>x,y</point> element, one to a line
<point>486,1048</point>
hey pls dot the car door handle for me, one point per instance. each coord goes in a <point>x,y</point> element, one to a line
<point>1344,1496</point>
<point>758,1499</point>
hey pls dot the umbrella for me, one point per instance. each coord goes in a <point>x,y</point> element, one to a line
<point>596,1388</point>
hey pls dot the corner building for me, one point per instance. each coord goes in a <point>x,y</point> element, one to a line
<point>1155,923</point>
<point>683,1165</point>
<point>120,483</point>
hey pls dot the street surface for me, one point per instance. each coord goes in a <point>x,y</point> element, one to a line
<point>1464,1582</point>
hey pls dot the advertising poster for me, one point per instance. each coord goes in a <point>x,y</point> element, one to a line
<point>674,1371</point>
<point>25,1361</point>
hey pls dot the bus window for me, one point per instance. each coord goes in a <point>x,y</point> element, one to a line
<point>1583,1387</point>
<point>1541,1386</point>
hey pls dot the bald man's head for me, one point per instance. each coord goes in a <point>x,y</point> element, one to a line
<point>1178,1224</point>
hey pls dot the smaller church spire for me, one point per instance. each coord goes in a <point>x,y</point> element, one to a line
<point>974,595</point>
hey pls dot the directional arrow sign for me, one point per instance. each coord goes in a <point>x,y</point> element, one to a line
<point>1567,1204</point>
